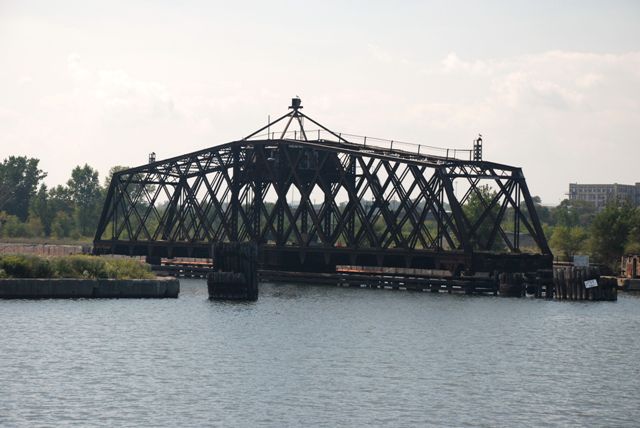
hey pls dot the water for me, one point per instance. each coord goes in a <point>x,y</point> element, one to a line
<point>320,356</point>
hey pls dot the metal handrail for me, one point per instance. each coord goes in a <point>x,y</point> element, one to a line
<point>420,149</point>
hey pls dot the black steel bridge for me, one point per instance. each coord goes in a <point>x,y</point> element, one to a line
<point>313,199</point>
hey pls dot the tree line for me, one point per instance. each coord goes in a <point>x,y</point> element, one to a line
<point>575,227</point>
<point>28,208</point>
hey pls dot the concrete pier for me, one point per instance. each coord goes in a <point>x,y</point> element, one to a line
<point>63,288</point>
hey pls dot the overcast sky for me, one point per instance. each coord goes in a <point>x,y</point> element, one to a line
<point>553,86</point>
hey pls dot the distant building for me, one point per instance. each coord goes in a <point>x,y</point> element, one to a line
<point>601,194</point>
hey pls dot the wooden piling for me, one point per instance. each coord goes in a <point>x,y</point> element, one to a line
<point>569,284</point>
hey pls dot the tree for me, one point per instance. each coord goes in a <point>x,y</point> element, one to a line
<point>40,209</point>
<point>610,232</point>
<point>473,209</point>
<point>34,227</point>
<point>86,194</point>
<point>568,240</point>
<point>19,178</point>
<point>633,239</point>
<point>571,213</point>
<point>47,205</point>
<point>12,227</point>
<point>62,225</point>
<point>60,199</point>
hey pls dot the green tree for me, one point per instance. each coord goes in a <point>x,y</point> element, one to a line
<point>19,178</point>
<point>62,225</point>
<point>568,240</point>
<point>34,227</point>
<point>633,240</point>
<point>86,193</point>
<point>40,209</point>
<point>473,209</point>
<point>60,199</point>
<point>610,232</point>
<point>3,220</point>
<point>12,227</point>
<point>572,213</point>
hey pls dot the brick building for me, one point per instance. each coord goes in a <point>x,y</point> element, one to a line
<point>601,194</point>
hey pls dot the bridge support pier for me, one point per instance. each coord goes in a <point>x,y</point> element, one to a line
<point>511,285</point>
<point>236,271</point>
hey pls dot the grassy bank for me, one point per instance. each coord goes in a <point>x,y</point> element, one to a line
<point>77,266</point>
<point>48,241</point>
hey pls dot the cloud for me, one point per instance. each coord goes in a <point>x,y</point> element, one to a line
<point>75,68</point>
<point>25,80</point>
<point>124,98</point>
<point>8,116</point>
<point>555,79</point>
<point>588,80</point>
<point>118,97</point>
<point>379,54</point>
<point>453,64</point>
<point>520,88</point>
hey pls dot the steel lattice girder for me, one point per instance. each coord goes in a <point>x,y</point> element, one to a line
<point>377,206</point>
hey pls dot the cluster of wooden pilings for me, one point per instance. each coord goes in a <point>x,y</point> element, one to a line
<point>235,275</point>
<point>517,284</point>
<point>583,283</point>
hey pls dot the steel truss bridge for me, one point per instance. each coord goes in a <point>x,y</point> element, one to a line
<point>314,199</point>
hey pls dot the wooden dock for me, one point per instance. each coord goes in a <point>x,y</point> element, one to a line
<point>381,278</point>
<point>184,267</point>
<point>566,282</point>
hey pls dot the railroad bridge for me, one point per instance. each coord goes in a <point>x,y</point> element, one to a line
<point>313,199</point>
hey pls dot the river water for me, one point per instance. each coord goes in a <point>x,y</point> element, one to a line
<point>320,356</point>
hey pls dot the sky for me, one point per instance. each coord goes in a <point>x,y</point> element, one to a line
<point>554,87</point>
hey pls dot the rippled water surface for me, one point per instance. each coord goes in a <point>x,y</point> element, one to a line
<point>320,356</point>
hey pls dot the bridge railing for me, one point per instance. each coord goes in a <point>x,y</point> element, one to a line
<point>420,149</point>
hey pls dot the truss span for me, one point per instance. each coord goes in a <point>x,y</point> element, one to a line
<point>314,200</point>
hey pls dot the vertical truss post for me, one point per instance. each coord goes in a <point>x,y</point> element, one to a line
<point>256,212</point>
<point>280,203</point>
<point>235,192</point>
<point>258,187</point>
<point>516,218</point>
<point>328,207</point>
<point>440,215</point>
<point>304,226</point>
<point>115,221</point>
<point>351,224</point>
<point>108,204</point>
